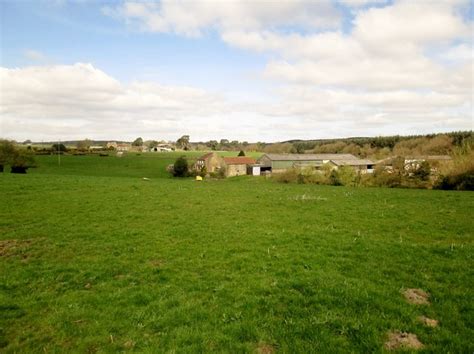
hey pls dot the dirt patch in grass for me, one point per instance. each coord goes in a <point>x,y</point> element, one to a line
<point>157,263</point>
<point>403,340</point>
<point>129,344</point>
<point>417,296</point>
<point>429,322</point>
<point>265,348</point>
<point>21,248</point>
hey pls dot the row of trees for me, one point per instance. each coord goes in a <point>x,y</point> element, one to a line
<point>373,147</point>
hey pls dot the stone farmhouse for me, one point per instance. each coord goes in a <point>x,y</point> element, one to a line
<point>211,161</point>
<point>276,163</point>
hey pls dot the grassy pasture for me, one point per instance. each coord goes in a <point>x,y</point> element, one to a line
<point>151,165</point>
<point>94,259</point>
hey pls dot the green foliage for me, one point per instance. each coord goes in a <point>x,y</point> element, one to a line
<point>347,176</point>
<point>183,143</point>
<point>213,144</point>
<point>299,148</point>
<point>7,152</point>
<point>384,178</point>
<point>59,147</point>
<point>23,159</point>
<point>220,173</point>
<point>460,174</point>
<point>288,176</point>
<point>241,153</point>
<point>180,167</point>
<point>423,171</point>
<point>138,142</point>
<point>19,159</point>
<point>84,145</point>
<point>334,178</point>
<point>463,182</point>
<point>152,144</point>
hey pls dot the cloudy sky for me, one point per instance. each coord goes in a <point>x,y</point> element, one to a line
<point>253,70</point>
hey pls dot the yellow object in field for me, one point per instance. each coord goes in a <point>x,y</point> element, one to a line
<point>198,178</point>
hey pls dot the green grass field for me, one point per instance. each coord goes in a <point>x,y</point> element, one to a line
<point>95,259</point>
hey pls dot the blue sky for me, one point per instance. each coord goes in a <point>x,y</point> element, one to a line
<point>255,71</point>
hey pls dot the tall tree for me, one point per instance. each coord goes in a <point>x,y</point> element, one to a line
<point>84,144</point>
<point>183,142</point>
<point>138,142</point>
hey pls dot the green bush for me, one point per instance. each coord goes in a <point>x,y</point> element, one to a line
<point>180,167</point>
<point>18,159</point>
<point>462,182</point>
<point>59,147</point>
<point>288,176</point>
<point>423,171</point>
<point>348,176</point>
<point>334,178</point>
<point>383,178</point>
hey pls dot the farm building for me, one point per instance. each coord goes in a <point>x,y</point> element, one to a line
<point>163,148</point>
<point>237,166</point>
<point>281,162</point>
<point>359,165</point>
<point>211,161</point>
<point>123,147</point>
<point>112,144</point>
<point>411,163</point>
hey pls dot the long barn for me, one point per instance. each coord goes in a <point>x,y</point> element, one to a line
<point>282,162</point>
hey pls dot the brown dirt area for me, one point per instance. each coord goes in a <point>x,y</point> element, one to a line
<point>416,296</point>
<point>402,340</point>
<point>429,322</point>
<point>264,348</point>
<point>157,263</point>
<point>13,247</point>
<point>21,249</point>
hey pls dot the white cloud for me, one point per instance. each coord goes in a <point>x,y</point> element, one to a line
<point>75,99</point>
<point>78,101</point>
<point>402,68</point>
<point>192,18</point>
<point>408,23</point>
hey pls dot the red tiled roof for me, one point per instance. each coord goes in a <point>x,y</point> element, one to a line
<point>241,160</point>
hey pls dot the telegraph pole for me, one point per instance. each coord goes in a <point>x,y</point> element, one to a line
<point>59,154</point>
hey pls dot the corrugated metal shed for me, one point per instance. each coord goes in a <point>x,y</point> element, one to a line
<point>352,162</point>
<point>309,157</point>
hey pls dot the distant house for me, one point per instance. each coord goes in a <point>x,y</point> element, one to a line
<point>276,163</point>
<point>211,161</point>
<point>162,148</point>
<point>123,147</point>
<point>237,166</point>
<point>112,144</point>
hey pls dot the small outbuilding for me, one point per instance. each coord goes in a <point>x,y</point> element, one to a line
<point>237,166</point>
